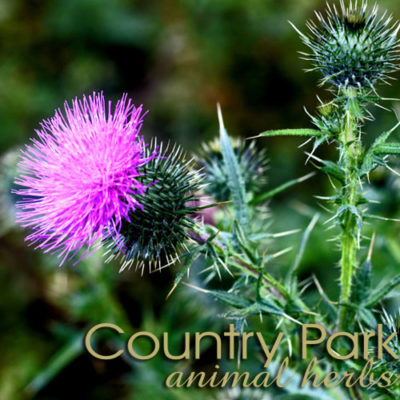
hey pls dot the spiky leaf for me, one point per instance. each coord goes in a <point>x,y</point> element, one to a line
<point>252,165</point>
<point>235,179</point>
<point>388,148</point>
<point>292,132</point>
<point>362,283</point>
<point>381,292</point>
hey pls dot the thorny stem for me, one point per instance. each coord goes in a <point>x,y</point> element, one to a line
<point>350,151</point>
<point>238,262</point>
<point>279,290</point>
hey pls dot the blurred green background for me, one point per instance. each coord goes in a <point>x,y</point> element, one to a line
<point>179,58</point>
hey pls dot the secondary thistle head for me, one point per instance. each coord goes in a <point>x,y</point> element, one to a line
<point>353,47</point>
<point>80,177</point>
<point>156,233</point>
<point>252,163</point>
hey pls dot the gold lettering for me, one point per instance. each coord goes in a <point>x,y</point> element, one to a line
<point>354,339</point>
<point>199,336</point>
<point>269,354</point>
<point>88,344</point>
<point>134,354</point>
<point>184,356</point>
<point>305,342</point>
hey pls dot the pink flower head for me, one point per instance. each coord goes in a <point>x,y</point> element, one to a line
<point>79,177</point>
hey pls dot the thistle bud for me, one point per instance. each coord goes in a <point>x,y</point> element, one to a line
<point>156,233</point>
<point>353,47</point>
<point>252,164</point>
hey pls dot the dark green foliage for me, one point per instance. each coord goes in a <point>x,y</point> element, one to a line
<point>157,233</point>
<point>362,283</point>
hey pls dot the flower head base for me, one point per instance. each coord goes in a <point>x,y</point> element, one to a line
<point>80,176</point>
<point>155,234</point>
<point>252,163</point>
<point>353,47</point>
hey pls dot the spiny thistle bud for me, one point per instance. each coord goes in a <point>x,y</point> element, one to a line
<point>252,163</point>
<point>157,232</point>
<point>353,47</point>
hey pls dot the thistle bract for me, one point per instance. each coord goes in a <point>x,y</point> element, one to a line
<point>252,164</point>
<point>352,47</point>
<point>80,175</point>
<point>156,233</point>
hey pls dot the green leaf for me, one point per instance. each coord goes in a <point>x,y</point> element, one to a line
<point>268,307</point>
<point>371,161</point>
<point>263,306</point>
<point>333,170</point>
<point>235,180</point>
<point>291,132</point>
<point>59,361</point>
<point>297,397</point>
<point>388,148</point>
<point>362,283</point>
<point>231,299</point>
<point>379,148</point>
<point>189,259</point>
<point>291,279</point>
<point>352,210</point>
<point>379,294</point>
<point>281,188</point>
<point>367,317</point>
<point>381,139</point>
<point>330,309</point>
<point>355,108</point>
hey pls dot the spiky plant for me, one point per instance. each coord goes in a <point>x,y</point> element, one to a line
<point>352,47</point>
<point>252,163</point>
<point>157,233</point>
<point>353,50</point>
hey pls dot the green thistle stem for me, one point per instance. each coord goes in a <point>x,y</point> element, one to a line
<point>350,151</point>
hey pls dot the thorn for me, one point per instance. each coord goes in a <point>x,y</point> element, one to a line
<point>306,142</point>
<point>305,177</point>
<point>253,137</point>
<point>371,246</point>
<point>297,30</point>
<point>282,252</point>
<point>286,233</point>
<point>392,170</point>
<point>196,287</point>
<point>171,291</point>
<point>220,118</point>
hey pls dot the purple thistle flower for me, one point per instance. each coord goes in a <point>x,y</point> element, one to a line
<point>79,176</point>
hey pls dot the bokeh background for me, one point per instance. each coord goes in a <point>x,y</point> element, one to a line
<point>178,58</point>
